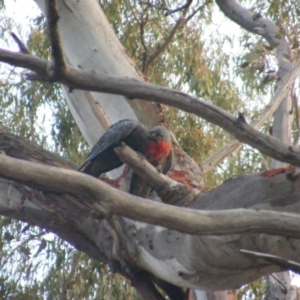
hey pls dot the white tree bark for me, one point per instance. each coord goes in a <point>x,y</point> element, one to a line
<point>90,44</point>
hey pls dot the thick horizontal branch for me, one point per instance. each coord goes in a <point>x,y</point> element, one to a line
<point>91,234</point>
<point>107,200</point>
<point>21,148</point>
<point>136,89</point>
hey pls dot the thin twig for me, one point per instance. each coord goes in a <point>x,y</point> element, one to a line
<point>178,25</point>
<point>180,8</point>
<point>144,46</point>
<point>195,11</point>
<point>21,45</point>
<point>280,261</point>
<point>75,264</point>
<point>297,120</point>
<point>142,22</point>
<point>158,7</point>
<point>167,10</point>
<point>12,251</point>
<point>56,48</point>
<point>156,53</point>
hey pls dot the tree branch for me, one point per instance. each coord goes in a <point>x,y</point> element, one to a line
<point>256,23</point>
<point>170,191</point>
<point>280,261</point>
<point>77,220</point>
<point>217,157</point>
<point>182,7</point>
<point>155,54</point>
<point>165,9</point>
<point>136,89</point>
<point>195,11</point>
<point>238,16</point>
<point>47,218</point>
<point>21,148</point>
<point>56,48</point>
<point>22,46</point>
<point>105,200</point>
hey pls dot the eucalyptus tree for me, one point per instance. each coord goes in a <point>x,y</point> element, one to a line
<point>206,247</point>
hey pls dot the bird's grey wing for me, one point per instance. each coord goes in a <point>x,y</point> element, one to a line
<point>114,135</point>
